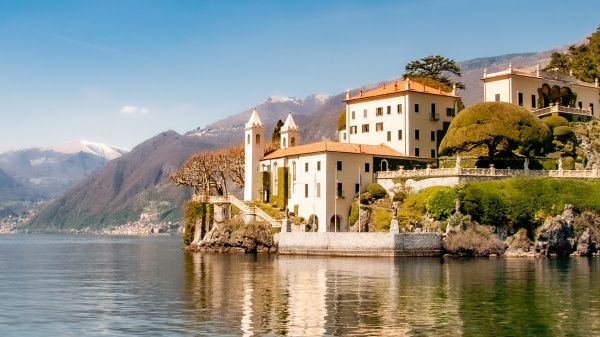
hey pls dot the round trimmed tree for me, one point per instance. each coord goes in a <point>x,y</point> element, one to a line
<point>496,127</point>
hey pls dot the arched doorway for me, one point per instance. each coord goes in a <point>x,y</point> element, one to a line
<point>384,165</point>
<point>313,224</point>
<point>335,223</point>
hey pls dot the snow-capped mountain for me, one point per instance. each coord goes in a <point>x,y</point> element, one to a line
<point>98,149</point>
<point>50,170</point>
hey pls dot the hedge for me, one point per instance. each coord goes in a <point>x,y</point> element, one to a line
<point>283,187</point>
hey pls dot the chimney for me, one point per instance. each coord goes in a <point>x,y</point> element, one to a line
<point>396,86</point>
<point>348,93</point>
<point>537,70</point>
<point>408,84</point>
<point>454,89</point>
<point>360,92</point>
<point>383,85</point>
<point>484,72</point>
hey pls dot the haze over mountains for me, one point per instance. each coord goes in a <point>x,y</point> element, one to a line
<point>137,182</point>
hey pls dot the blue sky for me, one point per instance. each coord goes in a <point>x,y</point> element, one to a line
<point>121,71</point>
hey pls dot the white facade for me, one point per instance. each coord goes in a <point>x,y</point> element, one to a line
<point>313,185</point>
<point>520,87</point>
<point>407,116</point>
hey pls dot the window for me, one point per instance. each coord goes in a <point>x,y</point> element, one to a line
<point>365,128</point>
<point>275,180</point>
<point>294,177</point>
<point>520,98</point>
<point>353,114</point>
<point>433,108</point>
<point>592,108</point>
<point>432,153</point>
<point>306,190</point>
<point>379,112</point>
<point>248,141</point>
<point>339,165</point>
<point>497,98</point>
<point>318,190</point>
<point>305,167</point>
<point>450,112</point>
<point>257,139</point>
<point>365,113</point>
<point>417,134</point>
<point>379,126</point>
<point>389,136</point>
<point>339,193</point>
<point>344,136</point>
<point>416,151</point>
<point>433,136</point>
<point>399,134</point>
<point>533,101</point>
<point>389,110</point>
<point>319,165</point>
<point>367,167</point>
<point>356,188</point>
<point>416,107</point>
<point>580,105</point>
<point>353,130</point>
<point>399,107</point>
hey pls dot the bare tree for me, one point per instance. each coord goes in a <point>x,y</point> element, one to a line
<point>208,171</point>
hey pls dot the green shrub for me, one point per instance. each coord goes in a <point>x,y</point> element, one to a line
<point>283,188</point>
<point>554,121</point>
<point>561,131</point>
<point>195,211</point>
<point>441,204</point>
<point>353,214</point>
<point>417,201</point>
<point>568,163</point>
<point>381,219</point>
<point>377,191</point>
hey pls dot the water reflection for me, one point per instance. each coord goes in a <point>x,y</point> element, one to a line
<point>253,295</point>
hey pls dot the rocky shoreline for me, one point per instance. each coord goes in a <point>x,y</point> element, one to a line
<point>569,234</point>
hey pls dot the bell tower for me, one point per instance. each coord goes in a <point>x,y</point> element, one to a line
<point>254,147</point>
<point>290,134</point>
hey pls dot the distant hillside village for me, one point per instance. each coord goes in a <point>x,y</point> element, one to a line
<point>398,126</point>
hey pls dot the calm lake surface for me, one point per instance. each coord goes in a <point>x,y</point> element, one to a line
<point>60,285</point>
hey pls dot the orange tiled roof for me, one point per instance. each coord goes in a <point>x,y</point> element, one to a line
<point>399,87</point>
<point>325,146</point>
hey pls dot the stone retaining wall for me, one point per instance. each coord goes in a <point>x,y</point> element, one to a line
<point>360,244</point>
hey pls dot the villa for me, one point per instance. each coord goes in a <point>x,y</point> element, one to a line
<point>543,92</point>
<point>408,116</point>
<point>319,181</point>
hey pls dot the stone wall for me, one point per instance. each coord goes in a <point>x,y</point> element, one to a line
<point>360,244</point>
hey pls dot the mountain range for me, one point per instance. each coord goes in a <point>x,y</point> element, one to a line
<point>49,171</point>
<point>137,182</point>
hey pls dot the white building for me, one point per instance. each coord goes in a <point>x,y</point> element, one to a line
<point>323,178</point>
<point>542,92</point>
<point>407,116</point>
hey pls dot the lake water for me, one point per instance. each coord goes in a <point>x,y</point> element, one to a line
<point>59,285</point>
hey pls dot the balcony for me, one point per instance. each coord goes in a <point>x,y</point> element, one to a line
<point>433,116</point>
<point>561,109</point>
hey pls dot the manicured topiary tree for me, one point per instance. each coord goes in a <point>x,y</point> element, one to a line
<point>377,191</point>
<point>496,127</point>
<point>554,121</point>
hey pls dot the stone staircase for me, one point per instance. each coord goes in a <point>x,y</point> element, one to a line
<point>251,212</point>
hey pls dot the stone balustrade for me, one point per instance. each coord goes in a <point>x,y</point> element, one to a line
<point>486,172</point>
<point>250,212</point>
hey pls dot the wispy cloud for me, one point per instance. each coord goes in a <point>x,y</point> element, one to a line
<point>86,44</point>
<point>134,110</point>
